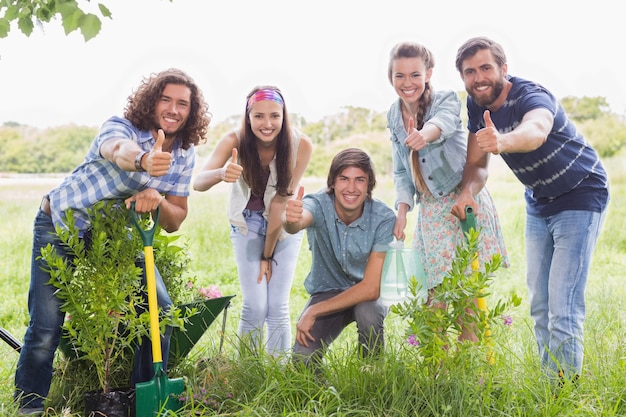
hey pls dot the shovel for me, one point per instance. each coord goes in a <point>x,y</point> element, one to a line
<point>468,224</point>
<point>160,394</point>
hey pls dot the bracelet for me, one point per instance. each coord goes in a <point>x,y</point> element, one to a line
<point>138,157</point>
<point>267,258</point>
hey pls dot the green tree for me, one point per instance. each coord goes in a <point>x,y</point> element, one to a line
<point>585,108</point>
<point>28,13</point>
<point>607,134</point>
<point>65,147</point>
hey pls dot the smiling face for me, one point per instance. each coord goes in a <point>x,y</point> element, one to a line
<point>409,77</point>
<point>484,80</point>
<point>173,108</point>
<point>350,190</point>
<point>266,120</point>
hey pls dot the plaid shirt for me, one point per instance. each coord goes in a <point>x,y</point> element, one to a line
<point>97,179</point>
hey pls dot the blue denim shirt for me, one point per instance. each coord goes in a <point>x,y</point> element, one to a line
<point>441,161</point>
<point>340,252</point>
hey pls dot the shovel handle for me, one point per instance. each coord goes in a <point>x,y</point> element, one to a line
<point>470,220</point>
<point>468,224</point>
<point>147,235</point>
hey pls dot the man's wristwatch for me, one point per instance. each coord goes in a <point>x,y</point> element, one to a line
<point>140,155</point>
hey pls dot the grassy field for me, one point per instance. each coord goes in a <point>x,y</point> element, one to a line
<point>514,389</point>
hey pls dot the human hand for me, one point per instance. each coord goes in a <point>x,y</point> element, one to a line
<point>293,208</point>
<point>303,328</point>
<point>231,171</point>
<point>145,201</point>
<point>464,200</point>
<point>265,271</point>
<point>398,228</point>
<point>157,162</point>
<point>414,140</point>
<point>488,138</point>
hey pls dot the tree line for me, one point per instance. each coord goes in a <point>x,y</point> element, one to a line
<point>26,149</point>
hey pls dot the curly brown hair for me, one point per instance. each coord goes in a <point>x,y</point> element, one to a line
<point>142,104</point>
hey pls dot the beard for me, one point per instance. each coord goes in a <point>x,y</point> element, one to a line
<point>487,100</point>
<point>169,132</point>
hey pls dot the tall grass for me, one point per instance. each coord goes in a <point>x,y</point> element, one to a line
<point>229,382</point>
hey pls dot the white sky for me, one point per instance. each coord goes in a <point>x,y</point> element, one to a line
<point>323,54</point>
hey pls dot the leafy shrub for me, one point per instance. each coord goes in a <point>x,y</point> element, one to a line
<point>434,330</point>
<point>100,286</point>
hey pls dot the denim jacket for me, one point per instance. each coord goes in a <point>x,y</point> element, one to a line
<point>441,161</point>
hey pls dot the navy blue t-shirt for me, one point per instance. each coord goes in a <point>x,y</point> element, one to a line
<point>565,173</point>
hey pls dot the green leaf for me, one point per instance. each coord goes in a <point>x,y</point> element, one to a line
<point>26,25</point>
<point>90,26</point>
<point>11,13</point>
<point>5,27</point>
<point>71,22</point>
<point>104,10</point>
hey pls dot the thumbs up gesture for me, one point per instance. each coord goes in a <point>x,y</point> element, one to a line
<point>414,140</point>
<point>488,138</point>
<point>293,209</point>
<point>232,170</point>
<point>157,162</point>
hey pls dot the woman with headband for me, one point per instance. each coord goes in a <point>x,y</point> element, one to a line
<point>264,160</point>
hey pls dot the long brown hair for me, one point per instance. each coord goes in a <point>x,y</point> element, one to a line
<point>249,153</point>
<point>142,104</point>
<point>415,50</point>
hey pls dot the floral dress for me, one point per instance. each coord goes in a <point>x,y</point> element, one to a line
<point>438,233</point>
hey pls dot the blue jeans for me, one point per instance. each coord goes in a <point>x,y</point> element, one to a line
<point>265,303</point>
<point>558,254</point>
<point>34,367</point>
<point>370,322</point>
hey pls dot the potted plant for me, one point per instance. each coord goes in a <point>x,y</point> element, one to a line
<point>101,291</point>
<point>100,288</point>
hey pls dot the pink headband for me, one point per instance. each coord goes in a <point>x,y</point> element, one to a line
<point>265,94</point>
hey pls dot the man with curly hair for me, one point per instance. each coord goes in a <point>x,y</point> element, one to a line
<point>145,158</point>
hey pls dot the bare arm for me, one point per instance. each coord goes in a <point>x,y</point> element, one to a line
<point>278,203</point>
<point>366,290</point>
<point>221,165</point>
<point>277,206</point>
<point>173,212</point>
<point>123,152</point>
<point>173,209</point>
<point>296,217</point>
<point>529,135</point>
<point>475,176</point>
<point>398,229</point>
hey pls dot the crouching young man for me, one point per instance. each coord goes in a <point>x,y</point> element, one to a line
<point>348,233</point>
